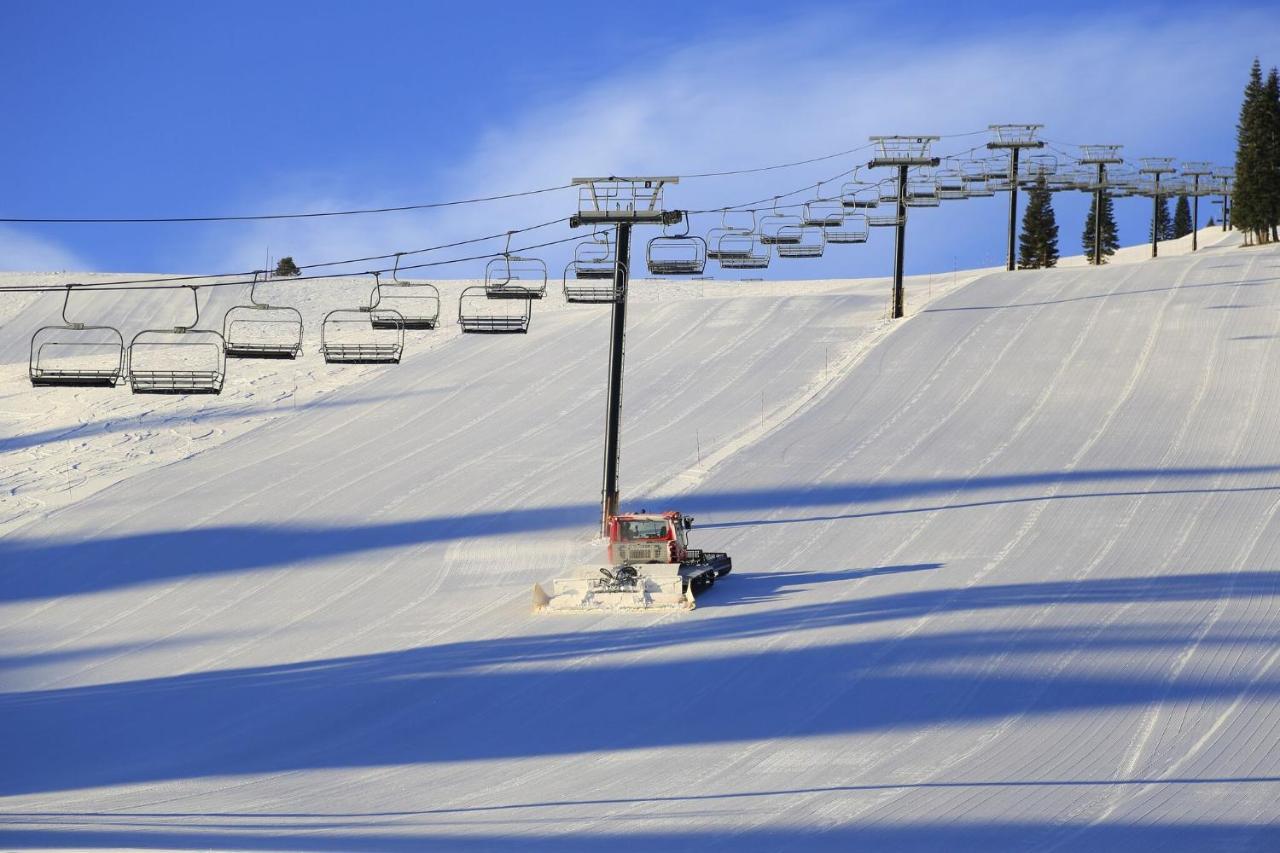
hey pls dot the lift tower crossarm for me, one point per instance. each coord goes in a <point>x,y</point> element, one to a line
<point>1013,138</point>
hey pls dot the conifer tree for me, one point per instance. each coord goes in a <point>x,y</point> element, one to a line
<point>1210,223</point>
<point>287,268</point>
<point>1162,222</point>
<point>1038,243</point>
<point>1182,218</point>
<point>1248,203</point>
<point>1110,240</point>
<point>1270,110</point>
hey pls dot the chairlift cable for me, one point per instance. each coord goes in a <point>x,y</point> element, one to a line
<point>270,216</point>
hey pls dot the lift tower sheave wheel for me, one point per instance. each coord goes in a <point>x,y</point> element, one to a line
<point>904,152</point>
<point>1013,138</point>
<point>622,202</point>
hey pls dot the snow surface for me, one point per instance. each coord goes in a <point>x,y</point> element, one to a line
<point>1004,578</point>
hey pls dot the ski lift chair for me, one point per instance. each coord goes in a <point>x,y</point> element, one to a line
<point>852,230</point>
<point>822,213</point>
<point>884,220</point>
<point>75,354</point>
<point>479,312</point>
<point>260,330</point>
<point>860,196</point>
<point>742,251</point>
<point>888,192</point>
<point>922,192</point>
<point>180,360</point>
<point>951,185</point>
<point>809,243</point>
<point>676,254</point>
<point>595,258</point>
<point>777,227</point>
<point>739,237</point>
<point>413,304</point>
<point>351,335</point>
<point>510,276</point>
<point>591,289</point>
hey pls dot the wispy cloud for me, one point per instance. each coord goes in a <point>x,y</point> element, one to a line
<point>21,251</point>
<point>1161,86</point>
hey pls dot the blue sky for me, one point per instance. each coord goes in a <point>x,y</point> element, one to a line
<point>158,109</point>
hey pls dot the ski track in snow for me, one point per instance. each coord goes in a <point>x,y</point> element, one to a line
<point>1002,579</point>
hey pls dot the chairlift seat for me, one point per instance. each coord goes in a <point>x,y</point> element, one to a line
<point>676,255</point>
<point>810,244</point>
<point>513,277</point>
<point>262,331</point>
<point>351,336</point>
<point>480,312</point>
<point>78,356</point>
<point>411,304</point>
<point>177,361</point>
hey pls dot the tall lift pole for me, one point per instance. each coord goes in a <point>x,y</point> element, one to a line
<point>1195,170</point>
<point>1013,138</point>
<point>1100,156</point>
<point>1223,176</point>
<point>622,202</point>
<point>1156,167</point>
<point>904,152</point>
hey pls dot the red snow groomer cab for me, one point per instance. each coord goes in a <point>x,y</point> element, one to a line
<point>650,566</point>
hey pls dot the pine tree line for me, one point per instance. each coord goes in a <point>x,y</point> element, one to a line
<point>1255,203</point>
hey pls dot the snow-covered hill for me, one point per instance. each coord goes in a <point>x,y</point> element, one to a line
<point>1005,578</point>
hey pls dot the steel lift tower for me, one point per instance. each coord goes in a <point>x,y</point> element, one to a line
<point>1156,167</point>
<point>1013,138</point>
<point>621,202</point>
<point>1195,170</point>
<point>903,152</point>
<point>1101,156</point>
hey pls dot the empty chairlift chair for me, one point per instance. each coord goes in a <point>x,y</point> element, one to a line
<point>596,258</point>
<point>822,213</point>
<point>853,229</point>
<point>676,254</point>
<point>809,243</point>
<point>777,227</point>
<point>740,250</point>
<point>951,185</point>
<point>179,360</point>
<point>743,251</point>
<point>922,192</point>
<point>589,277</point>
<point>513,277</point>
<point>413,304</point>
<point>860,196</point>
<point>351,335</point>
<point>739,236</point>
<point>479,312</point>
<point>260,330</point>
<point>75,354</point>
<point>590,290</point>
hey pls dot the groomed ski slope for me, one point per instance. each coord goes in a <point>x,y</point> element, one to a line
<point>1005,579</point>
